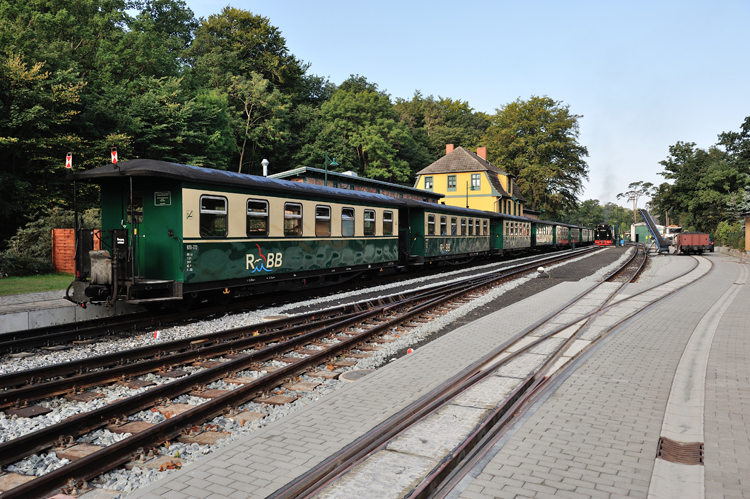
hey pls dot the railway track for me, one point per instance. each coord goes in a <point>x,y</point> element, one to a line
<point>305,344</point>
<point>545,352</point>
<point>88,331</point>
<point>630,271</point>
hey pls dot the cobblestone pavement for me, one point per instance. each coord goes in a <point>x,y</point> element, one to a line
<point>32,297</point>
<point>278,453</point>
<point>597,434</point>
<point>594,436</point>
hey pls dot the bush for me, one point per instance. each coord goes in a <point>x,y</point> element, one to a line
<point>21,265</point>
<point>35,239</point>
<point>731,235</point>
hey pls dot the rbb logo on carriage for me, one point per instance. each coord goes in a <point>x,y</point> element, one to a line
<point>263,262</point>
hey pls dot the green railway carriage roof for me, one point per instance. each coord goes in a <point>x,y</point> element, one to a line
<point>197,174</point>
<point>467,212</point>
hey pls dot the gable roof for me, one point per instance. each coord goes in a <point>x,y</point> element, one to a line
<point>461,160</point>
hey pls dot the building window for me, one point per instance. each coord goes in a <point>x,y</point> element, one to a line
<point>388,223</point>
<point>322,221</point>
<point>476,181</point>
<point>347,222</point>
<point>454,226</point>
<point>257,218</point>
<point>428,183</point>
<point>292,219</point>
<point>369,222</point>
<point>213,216</point>
<point>451,182</point>
<point>443,226</point>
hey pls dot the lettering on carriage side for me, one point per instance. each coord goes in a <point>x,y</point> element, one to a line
<point>189,214</point>
<point>263,263</point>
<point>445,247</point>
<point>190,256</point>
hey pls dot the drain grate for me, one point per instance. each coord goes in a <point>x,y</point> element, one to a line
<point>679,452</point>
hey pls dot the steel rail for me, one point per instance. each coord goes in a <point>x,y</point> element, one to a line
<point>161,361</point>
<point>71,368</point>
<point>541,386</point>
<point>51,335</point>
<point>335,466</point>
<point>621,270</point>
<point>16,449</point>
<point>92,466</point>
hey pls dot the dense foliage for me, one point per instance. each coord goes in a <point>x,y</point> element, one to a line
<point>709,188</point>
<point>590,213</point>
<point>147,77</point>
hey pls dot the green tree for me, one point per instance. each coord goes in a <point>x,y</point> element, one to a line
<point>437,122</point>
<point>360,130</point>
<point>705,183</point>
<point>36,108</point>
<point>537,141</point>
<point>588,214</point>
<point>237,42</point>
<point>637,190</point>
<point>263,114</point>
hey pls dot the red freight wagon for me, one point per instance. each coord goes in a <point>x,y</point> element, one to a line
<point>692,242</point>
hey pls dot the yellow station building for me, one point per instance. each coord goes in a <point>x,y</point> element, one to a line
<point>468,180</point>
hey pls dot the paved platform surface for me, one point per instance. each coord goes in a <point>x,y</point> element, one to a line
<point>595,436</point>
<point>50,308</point>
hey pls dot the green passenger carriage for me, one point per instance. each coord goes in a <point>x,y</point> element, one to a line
<point>188,230</point>
<point>435,232</point>
<point>172,232</point>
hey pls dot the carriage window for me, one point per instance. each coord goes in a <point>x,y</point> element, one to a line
<point>463,226</point>
<point>430,225</point>
<point>485,225</point>
<point>257,218</point>
<point>388,223</point>
<point>471,226</point>
<point>292,219</point>
<point>137,207</point>
<point>443,226</point>
<point>322,220</point>
<point>369,222</point>
<point>347,222</point>
<point>213,217</point>
<point>454,226</point>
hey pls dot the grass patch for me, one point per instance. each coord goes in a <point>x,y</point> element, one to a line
<point>34,284</point>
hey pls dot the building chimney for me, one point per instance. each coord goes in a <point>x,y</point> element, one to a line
<point>448,148</point>
<point>482,152</point>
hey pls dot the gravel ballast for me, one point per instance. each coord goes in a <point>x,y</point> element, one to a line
<point>589,267</point>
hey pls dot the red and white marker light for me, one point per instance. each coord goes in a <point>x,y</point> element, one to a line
<point>114,155</point>
<point>69,161</point>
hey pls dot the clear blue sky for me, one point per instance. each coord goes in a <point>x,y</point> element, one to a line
<point>643,75</point>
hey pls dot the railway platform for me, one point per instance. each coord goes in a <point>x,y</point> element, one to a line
<point>50,308</point>
<point>596,434</point>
